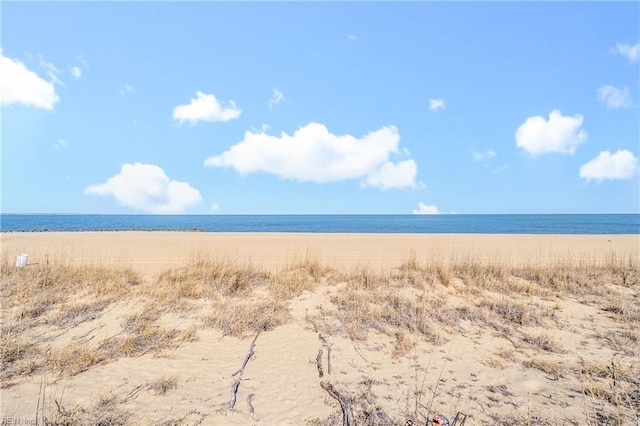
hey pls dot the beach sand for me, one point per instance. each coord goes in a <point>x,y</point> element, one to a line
<point>507,329</point>
<point>151,252</point>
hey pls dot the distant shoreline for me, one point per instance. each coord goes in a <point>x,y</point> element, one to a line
<point>552,224</point>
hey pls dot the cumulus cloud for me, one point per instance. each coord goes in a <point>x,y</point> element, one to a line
<point>76,72</point>
<point>205,108</point>
<point>436,104</point>
<point>20,85</point>
<point>619,166</point>
<point>146,188</point>
<point>314,154</point>
<point>277,97</point>
<point>426,209</point>
<point>484,155</point>
<point>560,134</point>
<point>393,175</point>
<point>613,97</point>
<point>631,52</point>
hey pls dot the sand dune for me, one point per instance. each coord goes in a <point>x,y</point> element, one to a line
<point>150,327</point>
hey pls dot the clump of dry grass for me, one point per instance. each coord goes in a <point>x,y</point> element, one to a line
<point>626,310</point>
<point>70,315</point>
<point>45,284</point>
<point>19,358</point>
<point>386,310</point>
<point>544,341</point>
<point>107,410</point>
<point>39,295</point>
<point>403,344</point>
<point>239,318</point>
<point>163,384</point>
<point>516,311</point>
<point>206,278</point>
<point>73,359</point>
<point>54,292</point>
<point>551,367</point>
<point>613,387</point>
<point>303,275</point>
<point>365,279</point>
<point>140,334</point>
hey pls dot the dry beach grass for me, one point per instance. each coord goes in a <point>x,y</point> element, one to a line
<point>534,342</point>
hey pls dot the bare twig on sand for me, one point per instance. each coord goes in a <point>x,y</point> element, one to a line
<point>347,416</point>
<point>234,391</point>
<point>249,355</point>
<point>319,363</point>
<point>236,383</point>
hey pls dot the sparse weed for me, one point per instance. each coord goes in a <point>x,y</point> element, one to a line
<point>163,385</point>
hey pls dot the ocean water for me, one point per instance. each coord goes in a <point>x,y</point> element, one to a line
<point>428,224</point>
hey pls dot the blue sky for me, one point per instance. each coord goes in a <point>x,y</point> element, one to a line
<point>287,108</point>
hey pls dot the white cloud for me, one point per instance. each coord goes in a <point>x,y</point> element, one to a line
<point>426,209</point>
<point>146,187</point>
<point>205,108</point>
<point>60,144</point>
<point>436,104</point>
<point>484,155</point>
<point>127,88</point>
<point>76,72</point>
<point>560,134</point>
<point>215,207</point>
<point>613,97</point>
<point>277,97</point>
<point>51,71</point>
<point>621,165</point>
<point>314,154</point>
<point>631,52</point>
<point>20,85</point>
<point>393,175</point>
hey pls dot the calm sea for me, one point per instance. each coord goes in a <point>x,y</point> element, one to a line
<point>429,224</point>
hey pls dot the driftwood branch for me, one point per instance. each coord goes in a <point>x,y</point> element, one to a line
<point>319,363</point>
<point>326,344</point>
<point>248,357</point>
<point>347,416</point>
<point>323,340</point>
<point>236,383</point>
<point>234,391</point>
<point>246,360</point>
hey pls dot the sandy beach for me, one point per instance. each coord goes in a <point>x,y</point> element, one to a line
<point>151,252</point>
<point>204,328</point>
